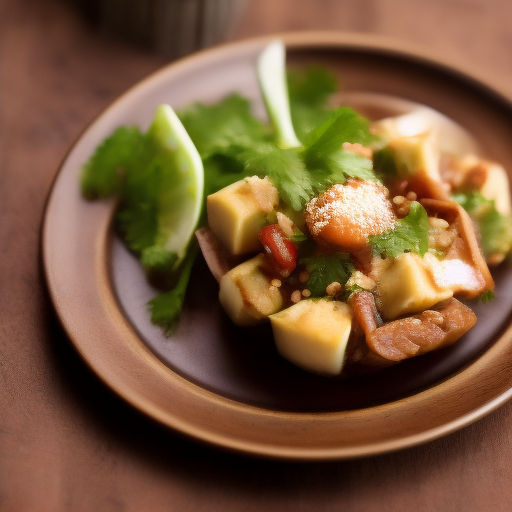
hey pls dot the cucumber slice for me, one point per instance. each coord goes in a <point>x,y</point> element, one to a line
<point>272,79</point>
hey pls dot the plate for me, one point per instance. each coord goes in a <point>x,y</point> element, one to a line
<point>227,386</point>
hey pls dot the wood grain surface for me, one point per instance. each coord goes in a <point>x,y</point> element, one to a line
<point>66,443</point>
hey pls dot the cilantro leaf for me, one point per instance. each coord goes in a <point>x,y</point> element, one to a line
<point>325,269</point>
<point>286,171</point>
<point>104,172</point>
<point>384,163</point>
<point>214,128</point>
<point>137,217</point>
<point>495,228</point>
<point>472,202</point>
<point>343,125</point>
<point>487,296</point>
<point>338,168</point>
<point>309,91</point>
<point>496,232</point>
<point>410,234</point>
<point>166,307</point>
<point>324,155</point>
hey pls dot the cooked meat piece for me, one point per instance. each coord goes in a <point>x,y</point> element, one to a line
<point>408,337</point>
<point>217,256</point>
<point>365,311</point>
<point>426,187</point>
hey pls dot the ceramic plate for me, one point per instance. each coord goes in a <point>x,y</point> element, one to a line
<point>226,385</point>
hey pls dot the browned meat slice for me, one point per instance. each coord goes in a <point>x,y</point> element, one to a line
<point>408,337</point>
<point>365,311</point>
<point>427,187</point>
<point>435,328</point>
<point>465,246</point>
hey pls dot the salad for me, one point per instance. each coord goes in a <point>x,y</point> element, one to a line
<point>357,240</point>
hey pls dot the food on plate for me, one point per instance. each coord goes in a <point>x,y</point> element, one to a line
<point>356,239</point>
<point>364,266</point>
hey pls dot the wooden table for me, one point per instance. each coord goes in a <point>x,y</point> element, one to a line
<point>68,444</point>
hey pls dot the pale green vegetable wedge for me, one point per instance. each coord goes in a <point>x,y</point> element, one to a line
<point>180,205</point>
<point>272,80</point>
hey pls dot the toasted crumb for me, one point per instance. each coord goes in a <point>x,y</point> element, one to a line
<point>306,293</point>
<point>435,222</point>
<point>358,149</point>
<point>398,200</point>
<point>411,196</point>
<point>333,288</point>
<point>276,283</point>
<point>296,296</point>
<point>444,240</point>
<point>285,224</point>
<point>304,276</point>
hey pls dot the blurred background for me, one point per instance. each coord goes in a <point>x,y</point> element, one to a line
<point>61,63</point>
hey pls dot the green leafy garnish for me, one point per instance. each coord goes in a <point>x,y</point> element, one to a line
<point>166,307</point>
<point>384,163</point>
<point>310,90</point>
<point>487,296</point>
<point>298,236</point>
<point>495,228</point>
<point>343,125</point>
<point>410,234</point>
<point>325,157</point>
<point>299,175</point>
<point>286,171</point>
<point>215,128</point>
<point>158,177</point>
<point>104,173</point>
<point>325,269</point>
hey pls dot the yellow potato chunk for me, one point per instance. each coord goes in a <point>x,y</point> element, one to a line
<point>246,293</point>
<point>416,154</point>
<point>496,188</point>
<point>238,212</point>
<point>407,287</point>
<point>313,334</point>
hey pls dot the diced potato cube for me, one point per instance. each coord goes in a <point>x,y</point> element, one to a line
<point>416,154</point>
<point>246,293</point>
<point>497,188</point>
<point>407,287</point>
<point>313,334</point>
<point>238,212</point>
<point>488,177</point>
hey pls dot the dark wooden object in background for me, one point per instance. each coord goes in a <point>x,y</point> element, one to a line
<point>67,444</point>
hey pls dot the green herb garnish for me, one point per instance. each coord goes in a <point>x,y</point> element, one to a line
<point>309,90</point>
<point>410,234</point>
<point>325,269</point>
<point>487,296</point>
<point>495,228</point>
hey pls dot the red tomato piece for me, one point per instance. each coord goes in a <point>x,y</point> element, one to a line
<point>283,251</point>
